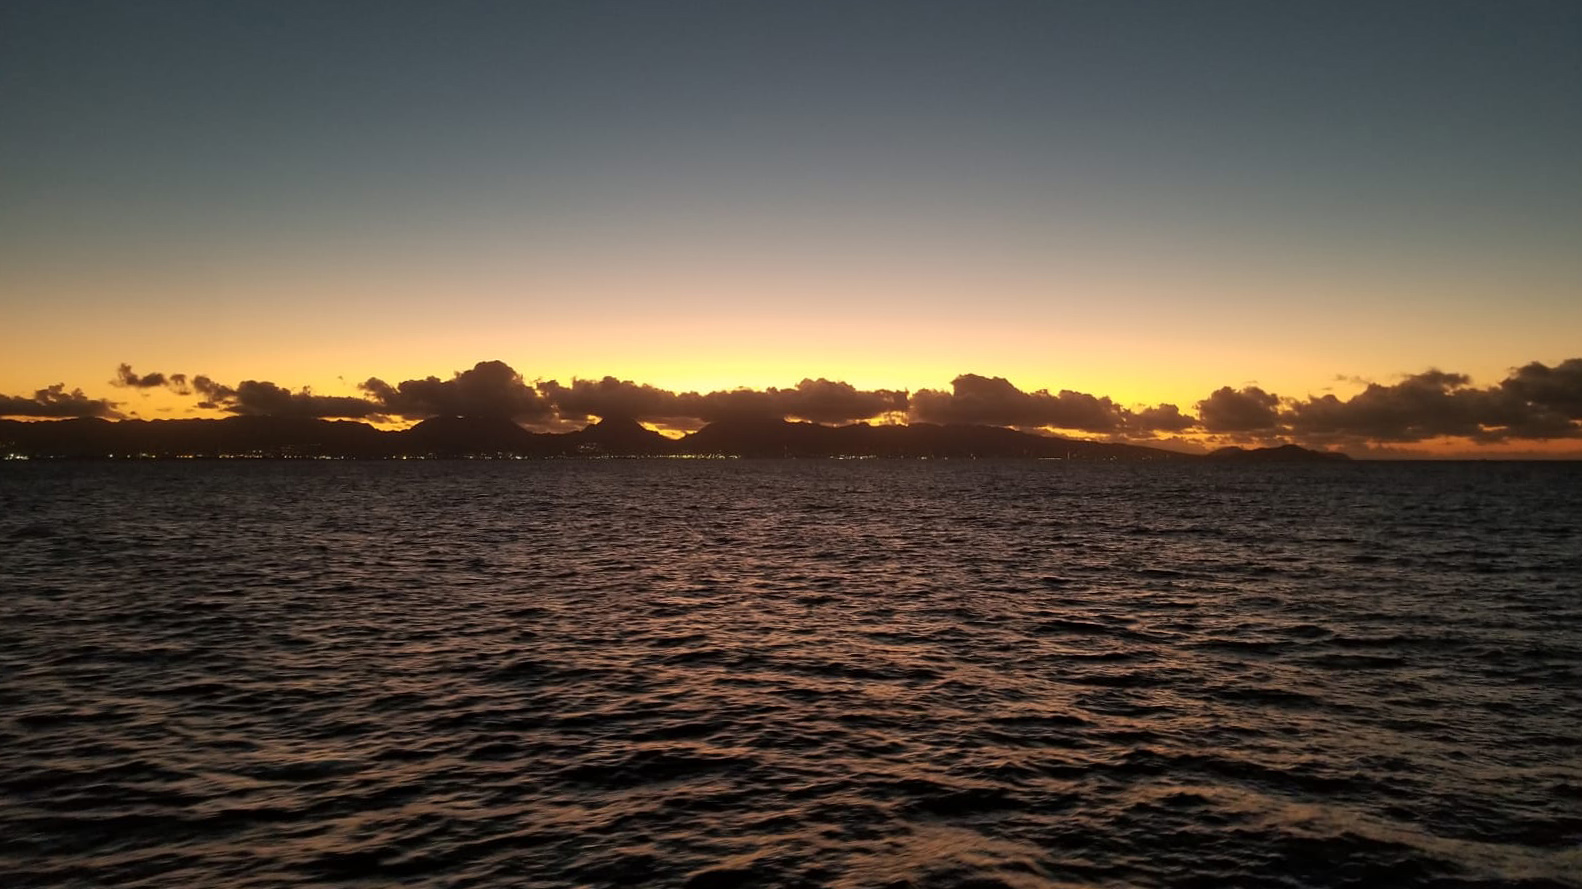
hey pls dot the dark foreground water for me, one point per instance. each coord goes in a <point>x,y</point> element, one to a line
<point>850,674</point>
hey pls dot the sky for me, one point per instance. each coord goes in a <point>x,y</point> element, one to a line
<point>1141,202</point>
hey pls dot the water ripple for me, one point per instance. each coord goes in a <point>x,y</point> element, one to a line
<point>812,673</point>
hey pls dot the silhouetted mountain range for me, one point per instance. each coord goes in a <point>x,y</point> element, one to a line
<point>1283,454</point>
<point>253,436</point>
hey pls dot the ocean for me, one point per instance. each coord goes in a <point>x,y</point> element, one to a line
<point>733,673</point>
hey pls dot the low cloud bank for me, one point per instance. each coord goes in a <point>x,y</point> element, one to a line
<point>1534,402</point>
<point>54,402</point>
<point>995,401</point>
<point>819,401</point>
<point>1239,410</point>
<point>489,389</point>
<point>261,398</point>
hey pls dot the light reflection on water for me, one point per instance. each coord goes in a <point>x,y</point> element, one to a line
<point>790,673</point>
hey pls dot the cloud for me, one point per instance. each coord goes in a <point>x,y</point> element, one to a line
<point>261,398</point>
<point>1558,389</point>
<point>1246,410</point>
<point>126,379</point>
<point>994,401</point>
<point>821,401</point>
<point>826,401</point>
<point>733,404</point>
<point>214,395</point>
<point>1426,405</point>
<point>1161,418</point>
<point>489,389</point>
<point>610,397</point>
<point>54,402</point>
<point>1534,402</point>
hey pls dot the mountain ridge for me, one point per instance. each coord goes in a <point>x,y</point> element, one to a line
<point>472,436</point>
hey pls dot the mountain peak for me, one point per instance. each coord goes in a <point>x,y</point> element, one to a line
<point>616,423</point>
<point>1286,453</point>
<point>622,435</point>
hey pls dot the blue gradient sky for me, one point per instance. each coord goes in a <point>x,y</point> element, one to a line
<point>1140,200</point>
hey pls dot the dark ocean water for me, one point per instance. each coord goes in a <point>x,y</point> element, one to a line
<point>737,673</point>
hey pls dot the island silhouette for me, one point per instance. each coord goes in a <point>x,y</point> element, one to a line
<point>496,437</point>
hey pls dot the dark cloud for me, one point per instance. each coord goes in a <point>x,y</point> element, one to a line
<point>263,398</point>
<point>733,404</point>
<point>1557,388</point>
<point>127,379</point>
<point>994,401</point>
<point>1534,402</point>
<point>827,401</point>
<point>821,401</point>
<point>1426,405</point>
<point>610,397</point>
<point>1162,418</point>
<point>124,377</point>
<point>489,389</point>
<point>214,395</point>
<point>54,402</point>
<point>1246,410</point>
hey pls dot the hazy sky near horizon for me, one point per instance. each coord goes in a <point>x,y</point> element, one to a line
<point>1145,201</point>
